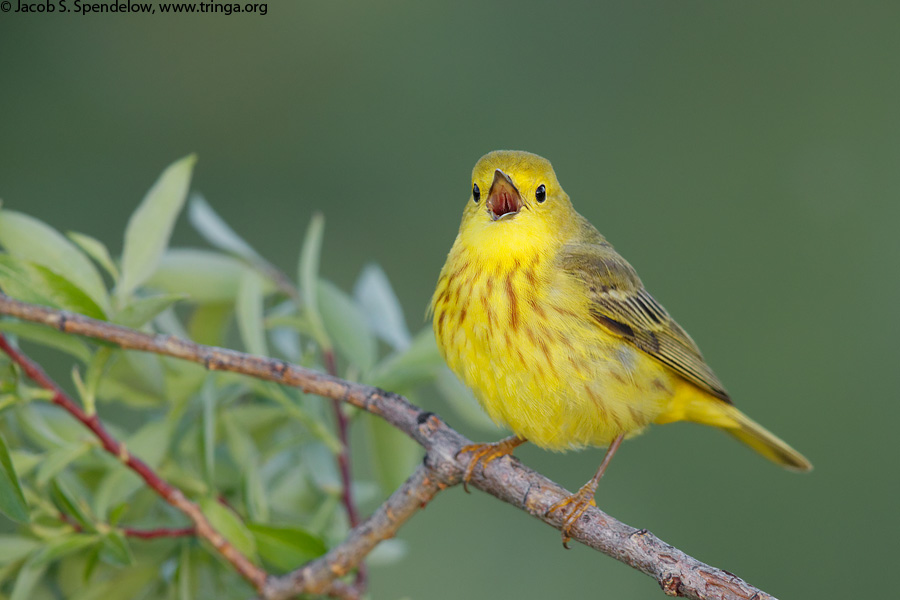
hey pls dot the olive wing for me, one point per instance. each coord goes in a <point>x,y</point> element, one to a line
<point>620,304</point>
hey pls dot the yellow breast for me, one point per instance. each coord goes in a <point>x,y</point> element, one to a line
<point>517,332</point>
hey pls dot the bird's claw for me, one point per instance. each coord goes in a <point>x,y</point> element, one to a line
<point>485,453</point>
<point>580,501</point>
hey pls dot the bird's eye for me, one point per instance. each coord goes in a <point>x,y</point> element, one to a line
<point>476,193</point>
<point>540,194</point>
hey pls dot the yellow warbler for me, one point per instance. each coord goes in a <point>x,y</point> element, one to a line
<point>557,337</point>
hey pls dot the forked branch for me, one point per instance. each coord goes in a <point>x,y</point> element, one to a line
<point>507,479</point>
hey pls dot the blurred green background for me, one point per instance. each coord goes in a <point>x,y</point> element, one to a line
<point>745,157</point>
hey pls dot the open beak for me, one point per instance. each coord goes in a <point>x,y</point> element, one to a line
<point>504,199</point>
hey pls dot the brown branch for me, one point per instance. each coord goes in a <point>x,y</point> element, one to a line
<point>169,493</point>
<point>506,478</point>
<point>317,576</point>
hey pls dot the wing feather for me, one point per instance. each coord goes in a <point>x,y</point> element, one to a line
<point>620,304</point>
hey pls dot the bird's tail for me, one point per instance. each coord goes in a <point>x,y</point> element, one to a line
<point>698,407</point>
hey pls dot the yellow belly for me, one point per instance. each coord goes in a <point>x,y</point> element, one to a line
<point>536,361</point>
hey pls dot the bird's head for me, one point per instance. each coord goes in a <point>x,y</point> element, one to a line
<point>516,200</point>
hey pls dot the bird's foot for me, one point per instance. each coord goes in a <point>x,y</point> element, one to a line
<point>574,506</point>
<point>485,453</point>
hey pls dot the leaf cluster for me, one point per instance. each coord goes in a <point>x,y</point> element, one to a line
<point>258,458</point>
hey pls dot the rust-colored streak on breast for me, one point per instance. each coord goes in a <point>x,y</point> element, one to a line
<point>577,365</point>
<point>513,303</point>
<point>593,396</point>
<point>538,309</point>
<point>441,299</point>
<point>635,414</point>
<point>546,350</point>
<point>520,356</point>
<point>488,309</point>
<point>440,323</point>
<point>453,295</point>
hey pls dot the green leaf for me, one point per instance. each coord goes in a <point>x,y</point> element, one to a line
<point>15,547</point>
<point>116,514</point>
<point>208,431</point>
<point>319,460</point>
<point>347,326</point>
<point>126,583</point>
<point>308,275</point>
<point>57,460</point>
<point>52,338</point>
<point>68,580</point>
<point>151,444</point>
<point>139,312</point>
<point>376,297</point>
<point>95,372</point>
<point>203,275</point>
<point>116,486</point>
<point>12,502</point>
<point>31,419</point>
<point>147,369</point>
<point>394,455</point>
<point>184,576</point>
<point>216,231</point>
<point>29,239</point>
<point>286,548</point>
<point>115,550</point>
<point>96,250</point>
<point>418,364</point>
<point>208,323</point>
<point>293,410</point>
<point>121,390</point>
<point>61,423</point>
<point>150,226</point>
<point>69,505</point>
<point>249,313</point>
<point>31,282</point>
<point>230,526</point>
<point>255,495</point>
<point>238,439</point>
<point>63,546</point>
<point>29,576</point>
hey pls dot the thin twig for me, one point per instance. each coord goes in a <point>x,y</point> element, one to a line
<point>343,457</point>
<point>506,478</point>
<point>343,461</point>
<point>169,493</point>
<point>143,534</point>
<point>161,532</point>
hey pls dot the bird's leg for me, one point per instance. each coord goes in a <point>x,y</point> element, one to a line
<point>485,453</point>
<point>584,497</point>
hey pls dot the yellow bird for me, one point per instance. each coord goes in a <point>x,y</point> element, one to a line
<point>556,335</point>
